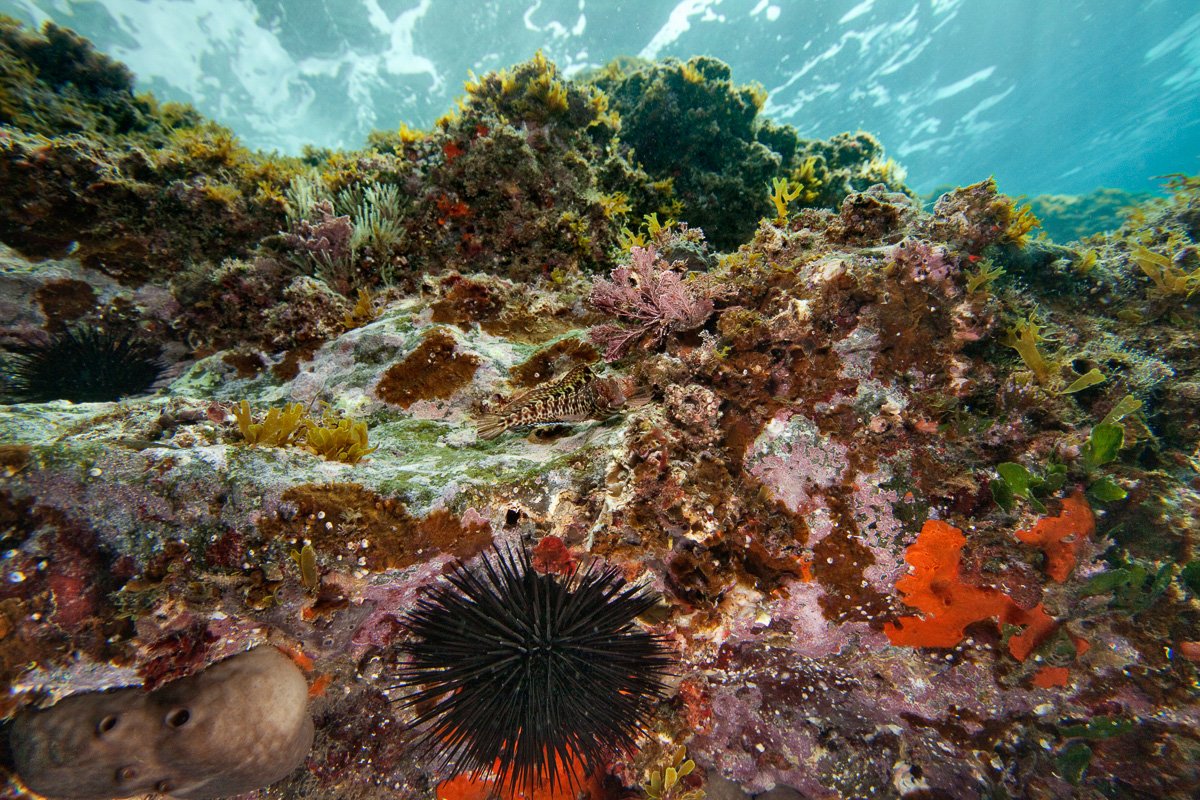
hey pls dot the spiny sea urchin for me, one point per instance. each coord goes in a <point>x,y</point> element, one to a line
<point>521,672</point>
<point>84,365</point>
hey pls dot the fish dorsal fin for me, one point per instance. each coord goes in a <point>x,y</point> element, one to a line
<point>574,379</point>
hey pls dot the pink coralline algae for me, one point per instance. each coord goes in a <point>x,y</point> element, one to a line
<point>880,530</point>
<point>327,240</point>
<point>650,298</point>
<point>797,462</point>
<point>923,262</point>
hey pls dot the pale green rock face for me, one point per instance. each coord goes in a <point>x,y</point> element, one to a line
<point>241,724</point>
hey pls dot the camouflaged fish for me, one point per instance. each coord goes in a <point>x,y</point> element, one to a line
<point>579,395</point>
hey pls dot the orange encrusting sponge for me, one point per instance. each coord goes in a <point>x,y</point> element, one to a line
<point>1062,537</point>
<point>948,605</point>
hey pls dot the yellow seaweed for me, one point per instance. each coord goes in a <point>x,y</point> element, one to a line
<point>363,312</point>
<point>984,276</point>
<point>783,191</point>
<point>1021,223</point>
<point>333,439</point>
<point>1168,278</point>
<point>1089,378</point>
<point>306,561</point>
<point>343,440</point>
<point>279,428</point>
<point>1024,338</point>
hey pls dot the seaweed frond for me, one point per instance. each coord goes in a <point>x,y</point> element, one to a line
<point>1168,278</point>
<point>341,440</point>
<point>306,562</point>
<point>331,438</point>
<point>1021,223</point>
<point>783,191</point>
<point>665,784</point>
<point>1024,338</point>
<point>280,428</point>
<point>983,277</point>
<point>364,311</point>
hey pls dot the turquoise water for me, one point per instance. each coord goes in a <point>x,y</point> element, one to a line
<point>1059,97</point>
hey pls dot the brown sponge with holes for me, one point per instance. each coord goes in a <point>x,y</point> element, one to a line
<point>239,725</point>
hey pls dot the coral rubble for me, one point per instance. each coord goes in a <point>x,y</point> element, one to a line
<point>916,490</point>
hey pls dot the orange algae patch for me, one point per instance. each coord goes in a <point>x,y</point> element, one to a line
<point>297,656</point>
<point>948,605</point>
<point>1048,677</point>
<point>806,562</point>
<point>570,784</point>
<point>1038,624</point>
<point>1061,537</point>
<point>1051,677</point>
<point>551,557</point>
<point>319,685</point>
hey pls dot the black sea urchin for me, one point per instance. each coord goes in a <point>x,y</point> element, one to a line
<point>523,672</point>
<point>84,365</point>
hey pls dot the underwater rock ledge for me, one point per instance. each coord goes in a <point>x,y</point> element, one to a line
<point>917,489</point>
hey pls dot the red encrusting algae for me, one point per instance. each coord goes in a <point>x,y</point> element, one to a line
<point>1051,677</point>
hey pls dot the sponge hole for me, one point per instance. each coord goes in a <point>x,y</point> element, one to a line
<point>107,724</point>
<point>178,717</point>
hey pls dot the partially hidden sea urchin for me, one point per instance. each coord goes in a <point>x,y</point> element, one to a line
<point>84,365</point>
<point>522,673</point>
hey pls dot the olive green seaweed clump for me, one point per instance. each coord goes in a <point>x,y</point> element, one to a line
<point>689,124</point>
<point>56,83</point>
<point>331,438</point>
<point>521,180</point>
<point>128,186</point>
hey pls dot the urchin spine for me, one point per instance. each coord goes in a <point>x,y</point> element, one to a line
<point>525,672</point>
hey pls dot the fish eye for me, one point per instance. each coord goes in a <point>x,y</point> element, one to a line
<point>178,717</point>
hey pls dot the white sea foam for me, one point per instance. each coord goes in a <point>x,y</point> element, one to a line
<point>862,8</point>
<point>966,83</point>
<point>679,23</point>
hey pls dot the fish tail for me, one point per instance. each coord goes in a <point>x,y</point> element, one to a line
<point>490,426</point>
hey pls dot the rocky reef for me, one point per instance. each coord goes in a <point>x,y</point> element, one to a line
<point>917,488</point>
